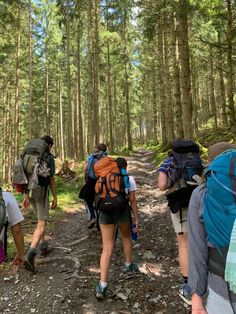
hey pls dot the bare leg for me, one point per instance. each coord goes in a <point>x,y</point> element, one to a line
<point>183,253</point>
<point>39,233</point>
<point>127,243</point>
<point>107,249</point>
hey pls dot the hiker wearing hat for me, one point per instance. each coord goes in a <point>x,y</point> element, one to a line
<point>88,190</point>
<point>177,176</point>
<point>211,216</point>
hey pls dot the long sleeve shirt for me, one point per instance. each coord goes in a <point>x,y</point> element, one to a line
<point>199,278</point>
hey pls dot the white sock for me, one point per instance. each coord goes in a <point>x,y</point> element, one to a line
<point>103,284</point>
<point>128,264</point>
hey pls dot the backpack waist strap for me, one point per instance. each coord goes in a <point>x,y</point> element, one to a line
<point>217,260</point>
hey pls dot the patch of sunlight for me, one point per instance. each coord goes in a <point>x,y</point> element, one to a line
<point>94,270</point>
<point>151,268</point>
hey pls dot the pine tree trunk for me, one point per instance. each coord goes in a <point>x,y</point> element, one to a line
<point>185,69</point>
<point>126,84</point>
<point>79,96</point>
<point>162,95</point>
<point>30,73</point>
<point>212,91</point>
<point>230,73</point>
<point>61,121</point>
<point>90,122</point>
<point>176,83</point>
<point>167,90</point>
<point>17,91</point>
<point>70,121</point>
<point>96,74</point>
<point>222,86</point>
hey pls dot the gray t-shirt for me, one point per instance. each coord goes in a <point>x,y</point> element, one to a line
<point>199,277</point>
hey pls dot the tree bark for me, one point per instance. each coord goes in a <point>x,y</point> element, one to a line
<point>185,69</point>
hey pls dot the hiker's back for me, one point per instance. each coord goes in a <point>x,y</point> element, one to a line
<point>110,190</point>
<point>185,165</point>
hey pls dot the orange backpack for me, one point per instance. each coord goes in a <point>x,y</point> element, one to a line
<point>109,188</point>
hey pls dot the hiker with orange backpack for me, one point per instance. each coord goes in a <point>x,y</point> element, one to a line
<point>212,235</point>
<point>113,195</point>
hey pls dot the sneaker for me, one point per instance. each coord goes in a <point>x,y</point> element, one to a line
<point>29,260</point>
<point>43,249</point>
<point>131,268</point>
<point>92,223</point>
<point>185,293</point>
<point>101,292</point>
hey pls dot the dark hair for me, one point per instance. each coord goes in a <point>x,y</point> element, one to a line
<point>121,162</point>
<point>48,139</point>
<point>102,147</point>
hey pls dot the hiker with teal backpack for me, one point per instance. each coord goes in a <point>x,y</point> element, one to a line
<point>212,235</point>
<point>114,191</point>
<point>88,190</point>
<point>11,215</point>
<point>177,175</point>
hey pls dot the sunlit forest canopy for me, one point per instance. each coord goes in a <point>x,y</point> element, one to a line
<point>122,72</point>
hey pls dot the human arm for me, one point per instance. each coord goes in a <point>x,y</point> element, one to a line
<point>198,250</point>
<point>52,184</point>
<point>133,204</point>
<point>19,242</point>
<point>163,180</point>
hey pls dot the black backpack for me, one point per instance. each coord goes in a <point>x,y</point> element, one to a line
<point>186,164</point>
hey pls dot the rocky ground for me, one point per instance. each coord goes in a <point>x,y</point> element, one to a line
<point>66,279</point>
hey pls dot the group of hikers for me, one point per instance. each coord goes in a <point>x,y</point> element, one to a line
<point>202,204</point>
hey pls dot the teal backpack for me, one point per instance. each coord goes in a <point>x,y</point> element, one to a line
<point>220,200</point>
<point>219,211</point>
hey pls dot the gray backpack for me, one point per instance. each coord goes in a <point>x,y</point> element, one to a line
<point>35,160</point>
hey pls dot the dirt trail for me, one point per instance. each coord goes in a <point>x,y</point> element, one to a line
<point>65,279</point>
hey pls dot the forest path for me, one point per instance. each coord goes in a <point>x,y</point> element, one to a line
<point>66,278</point>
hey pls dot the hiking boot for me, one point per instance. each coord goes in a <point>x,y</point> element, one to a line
<point>29,260</point>
<point>43,249</point>
<point>185,293</point>
<point>92,223</point>
<point>131,268</point>
<point>101,292</point>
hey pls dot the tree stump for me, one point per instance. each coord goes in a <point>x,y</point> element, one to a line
<point>65,171</point>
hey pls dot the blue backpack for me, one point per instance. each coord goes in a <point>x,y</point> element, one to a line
<point>91,161</point>
<point>220,199</point>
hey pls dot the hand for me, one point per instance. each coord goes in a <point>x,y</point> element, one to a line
<point>19,260</point>
<point>136,230</point>
<point>26,202</point>
<point>54,204</point>
<point>199,311</point>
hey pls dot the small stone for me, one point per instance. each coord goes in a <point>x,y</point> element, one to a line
<point>51,278</point>
<point>122,296</point>
<point>136,305</point>
<point>32,310</point>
